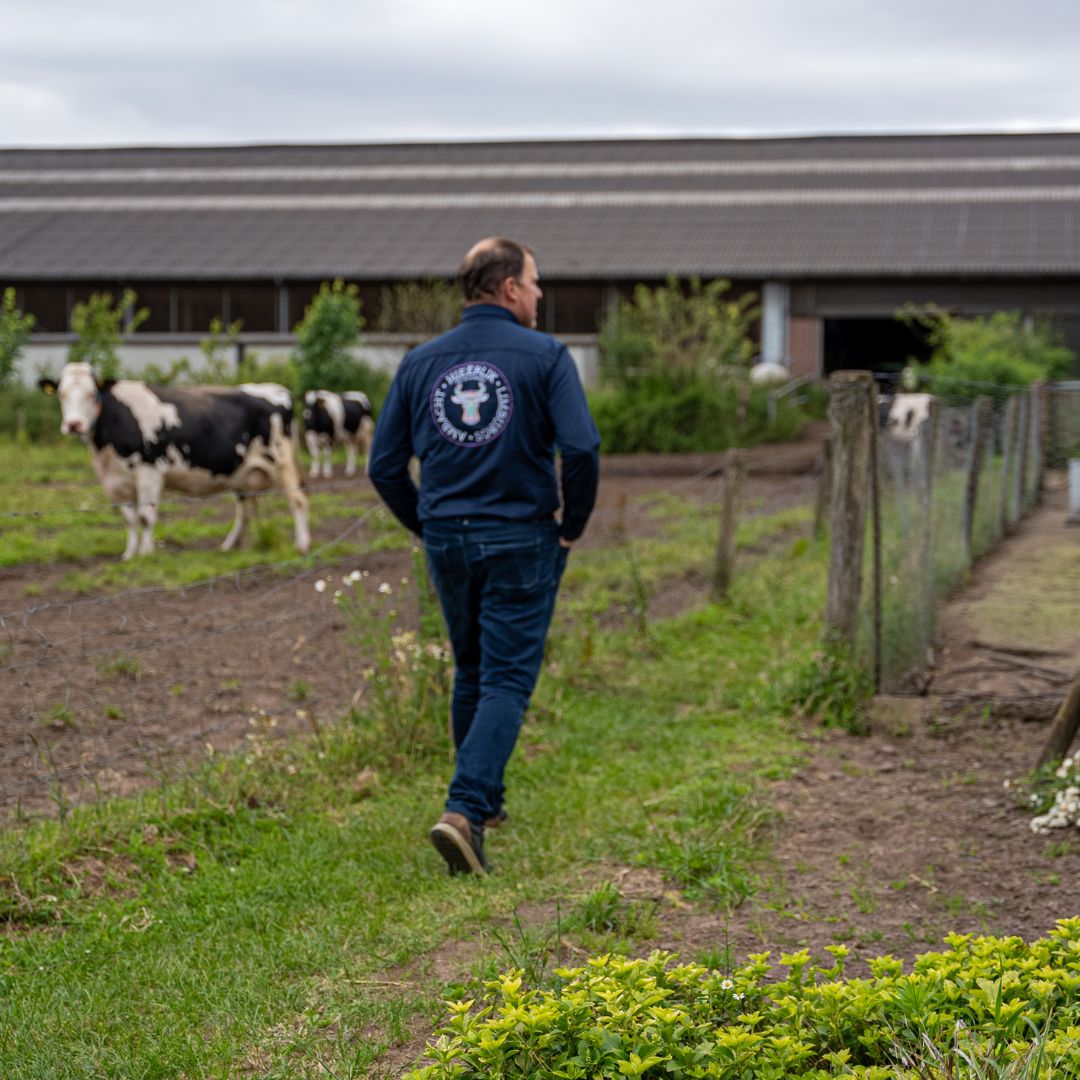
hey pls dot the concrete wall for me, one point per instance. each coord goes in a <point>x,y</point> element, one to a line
<point>47,353</point>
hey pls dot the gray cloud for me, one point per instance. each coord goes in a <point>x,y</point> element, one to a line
<point>284,71</point>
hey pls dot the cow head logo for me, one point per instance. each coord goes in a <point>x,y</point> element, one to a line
<point>471,403</point>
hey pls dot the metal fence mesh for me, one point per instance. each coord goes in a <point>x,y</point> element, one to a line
<point>950,488</point>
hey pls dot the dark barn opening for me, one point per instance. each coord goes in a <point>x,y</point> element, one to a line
<point>872,344</point>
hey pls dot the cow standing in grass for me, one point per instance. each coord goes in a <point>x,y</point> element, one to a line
<point>195,439</point>
<point>331,419</point>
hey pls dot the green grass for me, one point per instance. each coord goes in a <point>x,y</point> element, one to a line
<point>262,915</point>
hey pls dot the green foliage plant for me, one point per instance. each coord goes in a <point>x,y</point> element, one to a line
<point>419,308</point>
<point>990,354</point>
<point>15,331</point>
<point>678,333</point>
<point>99,326</point>
<point>658,1018</point>
<point>324,336</point>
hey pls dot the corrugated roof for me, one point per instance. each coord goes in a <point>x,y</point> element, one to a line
<point>896,205</point>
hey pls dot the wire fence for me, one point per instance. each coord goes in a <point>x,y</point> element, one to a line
<point>952,474</point>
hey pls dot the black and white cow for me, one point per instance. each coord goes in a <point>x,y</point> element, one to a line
<point>907,414</point>
<point>330,419</point>
<point>194,439</point>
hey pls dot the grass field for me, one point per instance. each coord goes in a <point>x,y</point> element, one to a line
<point>277,914</point>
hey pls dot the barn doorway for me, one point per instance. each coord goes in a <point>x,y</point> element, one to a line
<point>872,344</point>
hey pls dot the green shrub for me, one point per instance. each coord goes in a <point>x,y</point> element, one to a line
<point>703,415</point>
<point>677,332</point>
<point>990,354</point>
<point>324,336</point>
<point>99,328</point>
<point>657,1018</point>
<point>28,414</point>
<point>423,308</point>
<point>15,329</point>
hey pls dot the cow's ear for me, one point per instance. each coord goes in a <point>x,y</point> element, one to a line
<point>47,385</point>
<point>105,385</point>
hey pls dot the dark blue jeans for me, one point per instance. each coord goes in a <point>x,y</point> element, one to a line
<point>497,582</point>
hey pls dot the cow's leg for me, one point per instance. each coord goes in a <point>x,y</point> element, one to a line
<point>312,440</point>
<point>148,485</point>
<point>350,458</point>
<point>287,476</point>
<point>328,453</point>
<point>131,519</point>
<point>244,506</point>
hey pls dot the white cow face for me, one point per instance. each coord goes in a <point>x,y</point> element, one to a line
<point>78,393</point>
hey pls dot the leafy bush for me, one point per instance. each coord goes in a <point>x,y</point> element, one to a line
<point>99,328</point>
<point>702,415</point>
<point>29,414</point>
<point>677,334</point>
<point>423,308</point>
<point>15,329</point>
<point>329,329</point>
<point>657,1018</point>
<point>990,354</point>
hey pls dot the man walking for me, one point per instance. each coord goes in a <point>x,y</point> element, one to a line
<point>484,407</point>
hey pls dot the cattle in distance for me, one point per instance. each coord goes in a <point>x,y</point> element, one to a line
<point>332,419</point>
<point>194,439</point>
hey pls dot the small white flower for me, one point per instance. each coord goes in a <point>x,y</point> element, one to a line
<point>385,589</point>
<point>726,984</point>
<point>320,585</point>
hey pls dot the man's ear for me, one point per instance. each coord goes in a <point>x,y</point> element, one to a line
<point>48,386</point>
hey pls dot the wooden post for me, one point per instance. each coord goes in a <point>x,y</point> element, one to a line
<point>729,524</point>
<point>1039,397</point>
<point>824,490</point>
<point>1023,429</point>
<point>875,514</point>
<point>1008,453</point>
<point>1063,732</point>
<point>925,496</point>
<point>980,418</point>
<point>849,415</point>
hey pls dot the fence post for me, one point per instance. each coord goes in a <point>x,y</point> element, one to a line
<point>1023,434</point>
<point>925,496</point>
<point>980,417</point>
<point>850,397</point>
<point>1039,396</point>
<point>1066,722</point>
<point>1008,453</point>
<point>824,489</point>
<point>729,524</point>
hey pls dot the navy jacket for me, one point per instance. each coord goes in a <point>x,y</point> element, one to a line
<point>484,408</point>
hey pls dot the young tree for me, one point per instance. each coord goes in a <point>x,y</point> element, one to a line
<point>100,328</point>
<point>15,330</point>
<point>330,327</point>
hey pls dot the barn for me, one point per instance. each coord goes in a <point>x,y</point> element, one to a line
<point>833,233</point>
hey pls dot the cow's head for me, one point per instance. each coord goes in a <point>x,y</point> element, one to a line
<point>315,408</point>
<point>78,392</point>
<point>470,402</point>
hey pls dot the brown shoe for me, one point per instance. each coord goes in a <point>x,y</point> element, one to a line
<point>497,820</point>
<point>461,843</point>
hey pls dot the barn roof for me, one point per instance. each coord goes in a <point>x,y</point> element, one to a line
<point>1001,205</point>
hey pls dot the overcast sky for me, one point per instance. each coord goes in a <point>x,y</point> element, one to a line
<point>243,71</point>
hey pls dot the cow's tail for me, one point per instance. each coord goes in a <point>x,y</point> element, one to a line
<point>283,447</point>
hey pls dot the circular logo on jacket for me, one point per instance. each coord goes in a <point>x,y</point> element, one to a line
<point>471,403</point>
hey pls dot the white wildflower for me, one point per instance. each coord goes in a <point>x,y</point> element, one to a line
<point>726,984</point>
<point>385,589</point>
<point>320,585</point>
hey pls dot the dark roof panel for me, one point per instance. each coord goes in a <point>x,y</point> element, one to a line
<point>971,204</point>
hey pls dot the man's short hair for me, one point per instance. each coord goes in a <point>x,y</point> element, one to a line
<point>486,267</point>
